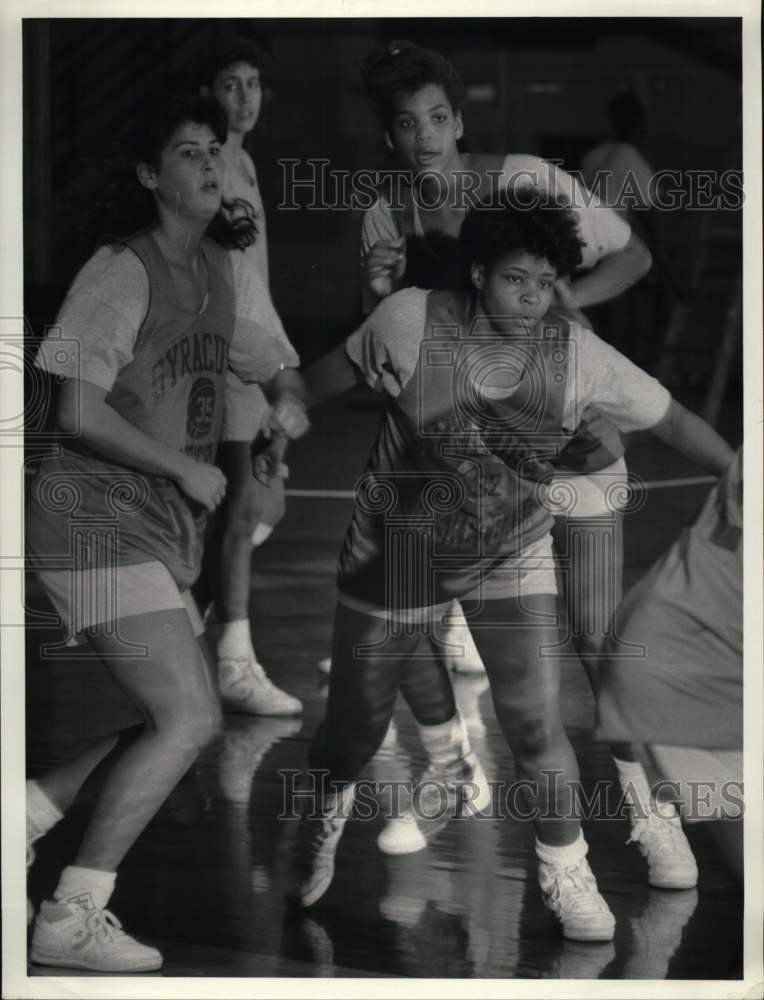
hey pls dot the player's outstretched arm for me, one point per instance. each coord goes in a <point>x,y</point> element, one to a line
<point>693,437</point>
<point>330,376</point>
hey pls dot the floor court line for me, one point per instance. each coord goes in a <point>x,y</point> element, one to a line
<point>656,484</point>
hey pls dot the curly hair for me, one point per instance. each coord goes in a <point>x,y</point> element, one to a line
<point>402,68</point>
<point>229,50</point>
<point>118,205</point>
<point>525,219</point>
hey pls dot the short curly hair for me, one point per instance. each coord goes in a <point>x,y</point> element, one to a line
<point>525,219</point>
<point>403,68</point>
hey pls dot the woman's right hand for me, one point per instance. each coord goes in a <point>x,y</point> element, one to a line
<point>384,265</point>
<point>203,483</point>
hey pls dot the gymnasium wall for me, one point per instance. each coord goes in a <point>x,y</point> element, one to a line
<point>537,85</point>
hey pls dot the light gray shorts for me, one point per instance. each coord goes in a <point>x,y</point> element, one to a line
<point>86,598</point>
<point>529,572</point>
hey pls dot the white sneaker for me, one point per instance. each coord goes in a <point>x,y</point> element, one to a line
<point>244,687</point>
<point>77,938</point>
<point>318,839</point>
<point>571,895</point>
<point>440,795</point>
<point>661,841</point>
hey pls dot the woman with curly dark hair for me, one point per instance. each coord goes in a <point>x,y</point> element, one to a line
<point>484,388</point>
<point>116,517</point>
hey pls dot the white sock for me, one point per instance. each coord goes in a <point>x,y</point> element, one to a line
<point>261,533</point>
<point>446,742</point>
<point>636,789</point>
<point>234,639</point>
<point>42,814</point>
<point>339,804</point>
<point>566,856</point>
<point>87,888</point>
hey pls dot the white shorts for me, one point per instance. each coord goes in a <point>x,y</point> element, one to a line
<point>592,495</point>
<point>87,598</point>
<point>529,572</point>
<point>246,410</point>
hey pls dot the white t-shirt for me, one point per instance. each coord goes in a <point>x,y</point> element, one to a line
<point>109,299</point>
<point>386,349</point>
<point>601,230</point>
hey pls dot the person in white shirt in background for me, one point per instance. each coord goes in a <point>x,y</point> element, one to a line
<point>251,508</point>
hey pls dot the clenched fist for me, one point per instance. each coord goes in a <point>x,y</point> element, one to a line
<point>384,265</point>
<point>203,483</point>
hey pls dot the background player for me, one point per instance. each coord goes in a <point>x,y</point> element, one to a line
<point>683,702</point>
<point>251,508</point>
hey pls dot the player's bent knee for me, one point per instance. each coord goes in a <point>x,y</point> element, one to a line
<point>214,722</point>
<point>193,727</point>
<point>533,736</point>
<point>210,724</point>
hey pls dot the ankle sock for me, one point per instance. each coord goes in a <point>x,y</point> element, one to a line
<point>42,813</point>
<point>88,888</point>
<point>234,639</point>
<point>636,788</point>
<point>446,742</point>
<point>565,856</point>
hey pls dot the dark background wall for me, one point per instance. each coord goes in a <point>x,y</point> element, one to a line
<point>538,86</point>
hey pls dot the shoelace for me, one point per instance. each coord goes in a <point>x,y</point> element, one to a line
<point>321,833</point>
<point>455,773</point>
<point>104,926</point>
<point>256,669</point>
<point>656,829</point>
<point>315,861</point>
<point>250,670</point>
<point>576,879</point>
